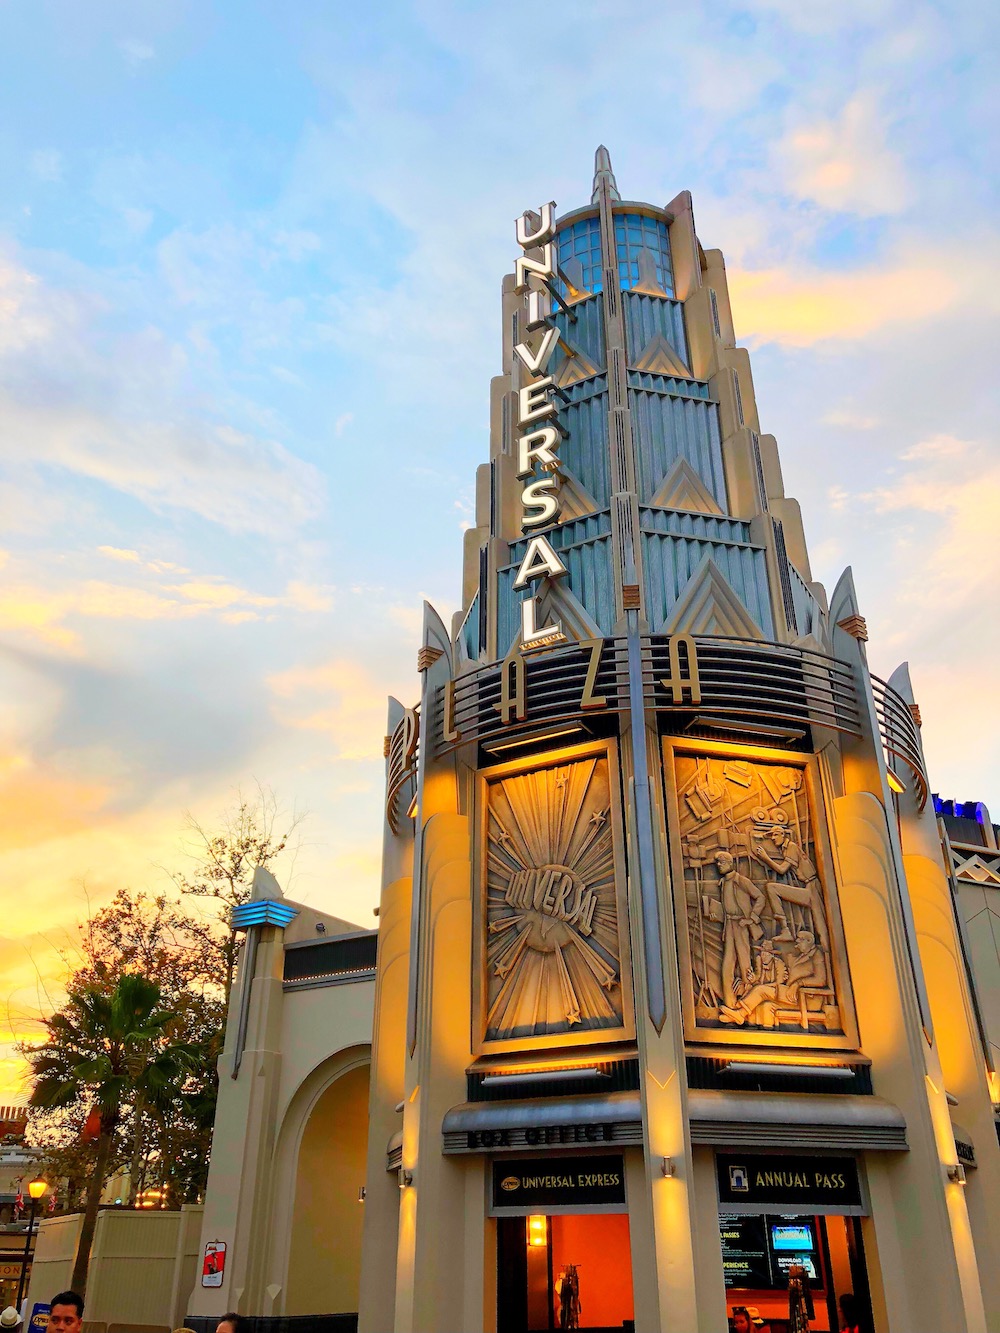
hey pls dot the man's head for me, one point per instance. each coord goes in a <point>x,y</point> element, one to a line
<point>804,941</point>
<point>741,1320</point>
<point>723,862</point>
<point>66,1313</point>
<point>232,1323</point>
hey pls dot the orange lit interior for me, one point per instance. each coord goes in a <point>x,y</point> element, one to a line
<point>598,1243</point>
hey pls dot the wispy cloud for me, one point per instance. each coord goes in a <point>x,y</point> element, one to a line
<point>844,163</point>
<point>116,408</point>
<point>136,51</point>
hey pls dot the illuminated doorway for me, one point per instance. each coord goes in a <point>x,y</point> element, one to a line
<point>569,1270</point>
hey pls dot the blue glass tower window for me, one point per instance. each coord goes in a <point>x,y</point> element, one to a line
<point>580,244</point>
<point>634,233</point>
<point>580,251</point>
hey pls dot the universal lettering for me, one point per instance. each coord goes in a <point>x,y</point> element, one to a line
<point>536,411</point>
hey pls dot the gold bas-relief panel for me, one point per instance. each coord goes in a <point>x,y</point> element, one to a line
<point>554,933</point>
<point>762,941</point>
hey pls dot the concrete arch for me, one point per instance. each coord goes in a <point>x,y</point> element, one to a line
<point>339,1073</point>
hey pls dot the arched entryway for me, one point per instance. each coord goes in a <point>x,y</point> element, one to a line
<point>324,1259</point>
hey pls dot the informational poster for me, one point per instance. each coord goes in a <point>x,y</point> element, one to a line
<point>759,1249</point>
<point>745,1258</point>
<point>39,1320</point>
<point>214,1264</point>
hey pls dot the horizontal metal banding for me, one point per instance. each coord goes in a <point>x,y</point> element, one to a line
<point>456,1143</point>
<point>799,1136</point>
<point>394,1152</point>
<point>614,1075</point>
<point>330,979</point>
<point>320,958</point>
<point>795,1120</point>
<point>402,770</point>
<point>739,680</point>
<point>572,1122</point>
<point>712,1074</point>
<point>899,734</point>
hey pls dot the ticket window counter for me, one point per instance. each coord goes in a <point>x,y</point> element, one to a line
<point>767,1241</point>
<point>758,1252</point>
<point>564,1271</point>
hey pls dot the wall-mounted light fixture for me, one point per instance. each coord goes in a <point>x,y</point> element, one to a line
<point>538,1232</point>
<point>552,734</point>
<point>788,1071</point>
<point>956,1173</point>
<point>668,1167</point>
<point>895,783</point>
<point>362,1193</point>
<point>405,1177</point>
<point>588,1073</point>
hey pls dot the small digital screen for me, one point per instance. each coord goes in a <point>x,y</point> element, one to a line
<point>786,1237</point>
<point>785,1261</point>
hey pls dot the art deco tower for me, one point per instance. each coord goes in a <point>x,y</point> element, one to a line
<point>665,921</point>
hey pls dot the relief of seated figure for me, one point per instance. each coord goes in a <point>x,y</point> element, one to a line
<point>778,983</point>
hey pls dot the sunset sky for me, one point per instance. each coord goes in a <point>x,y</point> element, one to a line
<point>250,261</point>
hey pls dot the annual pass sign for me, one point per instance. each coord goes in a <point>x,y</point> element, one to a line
<point>780,1183</point>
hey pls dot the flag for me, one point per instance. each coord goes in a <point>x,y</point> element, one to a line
<point>91,1130</point>
<point>18,1203</point>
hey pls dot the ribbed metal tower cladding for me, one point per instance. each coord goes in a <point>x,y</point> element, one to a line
<point>624,497</point>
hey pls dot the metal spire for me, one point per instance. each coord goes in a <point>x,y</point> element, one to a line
<point>603,172</point>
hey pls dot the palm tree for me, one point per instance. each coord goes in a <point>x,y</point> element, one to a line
<point>110,1050</point>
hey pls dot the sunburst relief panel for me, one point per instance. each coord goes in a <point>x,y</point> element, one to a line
<point>553,919</point>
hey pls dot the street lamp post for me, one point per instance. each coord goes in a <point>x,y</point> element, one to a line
<point>36,1188</point>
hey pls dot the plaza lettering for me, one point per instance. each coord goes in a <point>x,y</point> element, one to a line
<point>555,892</point>
<point>536,413</point>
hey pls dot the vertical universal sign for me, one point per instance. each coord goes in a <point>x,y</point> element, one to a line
<point>538,430</point>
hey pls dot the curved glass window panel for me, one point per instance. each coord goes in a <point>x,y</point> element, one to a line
<point>634,233</point>
<point>581,242</point>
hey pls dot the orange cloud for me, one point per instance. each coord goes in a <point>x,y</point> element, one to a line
<point>37,803</point>
<point>844,164</point>
<point>339,698</point>
<point>41,613</point>
<point>800,307</point>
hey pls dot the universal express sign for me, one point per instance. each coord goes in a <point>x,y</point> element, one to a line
<point>571,1184</point>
